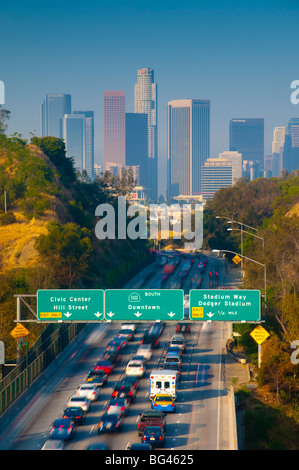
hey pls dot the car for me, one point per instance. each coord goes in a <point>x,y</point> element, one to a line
<point>124,390</point>
<point>112,356</point>
<point>63,429</point>
<point>151,418</point>
<point>135,368</point>
<point>174,359</point>
<point>173,350</point>
<point>174,367</point>
<point>152,339</point>
<point>82,402</point>
<point>98,377</point>
<point>138,357</point>
<point>116,344</point>
<point>90,391</point>
<point>153,435</point>
<point>97,446</point>
<point>138,446</point>
<point>145,350</point>
<point>129,326</point>
<point>117,406</point>
<point>105,365</point>
<point>163,402</point>
<point>183,327</point>
<point>111,423</point>
<point>53,444</point>
<point>132,380</point>
<point>126,333</point>
<point>178,340</point>
<point>76,413</point>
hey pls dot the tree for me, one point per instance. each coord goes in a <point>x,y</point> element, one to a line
<point>67,251</point>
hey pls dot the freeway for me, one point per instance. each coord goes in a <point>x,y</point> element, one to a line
<point>202,407</point>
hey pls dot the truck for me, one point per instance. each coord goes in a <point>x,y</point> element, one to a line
<point>163,381</point>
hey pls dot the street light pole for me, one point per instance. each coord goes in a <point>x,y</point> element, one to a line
<point>244,231</point>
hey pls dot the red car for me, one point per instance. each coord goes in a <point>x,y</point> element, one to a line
<point>104,365</point>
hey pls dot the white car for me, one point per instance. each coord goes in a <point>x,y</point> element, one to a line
<point>82,402</point>
<point>53,444</point>
<point>145,350</point>
<point>135,368</point>
<point>90,391</point>
<point>129,326</point>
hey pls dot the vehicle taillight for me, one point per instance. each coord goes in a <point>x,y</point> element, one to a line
<point>100,424</point>
<point>144,438</point>
<point>172,404</point>
<point>108,408</point>
<point>122,408</point>
<point>130,393</point>
<point>69,429</point>
<point>160,438</point>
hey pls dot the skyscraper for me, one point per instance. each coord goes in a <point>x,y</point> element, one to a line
<point>188,145</point>
<point>277,150</point>
<point>53,108</point>
<point>114,128</point>
<point>146,102</point>
<point>137,146</point>
<point>220,172</point>
<point>247,137</point>
<point>73,133</point>
<point>291,148</point>
<point>88,156</point>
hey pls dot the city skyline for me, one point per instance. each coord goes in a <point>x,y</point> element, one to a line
<point>196,50</point>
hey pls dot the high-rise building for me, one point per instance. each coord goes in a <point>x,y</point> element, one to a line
<point>114,128</point>
<point>188,145</point>
<point>73,133</point>
<point>277,150</point>
<point>137,146</point>
<point>88,156</point>
<point>291,147</point>
<point>247,137</point>
<point>220,173</point>
<point>53,108</point>
<point>146,102</point>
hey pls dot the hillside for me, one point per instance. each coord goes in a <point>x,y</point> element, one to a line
<point>47,237</point>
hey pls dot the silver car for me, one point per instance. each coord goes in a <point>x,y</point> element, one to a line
<point>118,406</point>
<point>90,391</point>
<point>83,402</point>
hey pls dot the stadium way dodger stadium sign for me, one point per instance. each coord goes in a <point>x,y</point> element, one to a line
<point>225,305</point>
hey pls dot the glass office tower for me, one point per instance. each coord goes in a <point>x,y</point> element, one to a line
<point>53,108</point>
<point>188,145</point>
<point>247,137</point>
<point>88,157</point>
<point>146,102</point>
<point>73,133</point>
<point>114,128</point>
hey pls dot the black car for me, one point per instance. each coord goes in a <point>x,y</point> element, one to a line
<point>113,356</point>
<point>75,413</point>
<point>153,435</point>
<point>63,429</point>
<point>131,380</point>
<point>124,390</point>
<point>97,377</point>
<point>111,423</point>
<point>98,446</point>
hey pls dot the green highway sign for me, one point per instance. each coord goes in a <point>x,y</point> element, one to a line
<point>144,304</point>
<point>70,305</point>
<point>225,305</point>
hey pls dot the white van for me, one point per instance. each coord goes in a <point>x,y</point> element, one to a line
<point>163,381</point>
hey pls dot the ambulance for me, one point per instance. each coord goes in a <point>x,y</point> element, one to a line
<point>163,381</point>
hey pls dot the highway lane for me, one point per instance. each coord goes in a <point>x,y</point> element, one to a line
<point>201,399</point>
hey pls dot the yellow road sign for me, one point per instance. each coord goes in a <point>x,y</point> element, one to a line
<point>237,259</point>
<point>259,334</point>
<point>19,331</point>
<point>197,312</point>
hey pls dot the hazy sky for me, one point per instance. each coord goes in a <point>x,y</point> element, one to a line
<point>242,55</point>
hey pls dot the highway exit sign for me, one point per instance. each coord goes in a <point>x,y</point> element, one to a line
<point>70,305</point>
<point>144,304</point>
<point>225,305</point>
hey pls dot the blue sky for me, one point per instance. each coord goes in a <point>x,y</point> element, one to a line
<point>242,56</point>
